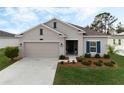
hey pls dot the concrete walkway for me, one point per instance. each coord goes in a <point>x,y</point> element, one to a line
<point>30,71</point>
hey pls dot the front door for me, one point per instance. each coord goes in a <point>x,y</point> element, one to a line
<point>72,47</point>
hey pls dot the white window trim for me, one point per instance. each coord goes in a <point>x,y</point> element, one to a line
<point>93,46</point>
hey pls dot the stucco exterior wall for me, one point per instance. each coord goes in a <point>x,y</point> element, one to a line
<point>34,35</point>
<point>71,33</point>
<point>103,44</point>
<point>48,36</point>
<point>80,45</point>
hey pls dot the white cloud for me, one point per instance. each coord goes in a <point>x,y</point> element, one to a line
<point>3,22</point>
<point>24,17</point>
<point>21,14</point>
<point>27,14</point>
<point>20,18</point>
<point>78,13</point>
<point>84,13</point>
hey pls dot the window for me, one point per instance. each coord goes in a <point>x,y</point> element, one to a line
<point>114,41</point>
<point>119,41</point>
<point>54,25</point>
<point>41,31</point>
<point>93,46</point>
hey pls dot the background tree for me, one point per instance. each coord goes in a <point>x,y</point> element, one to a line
<point>103,22</point>
<point>120,28</point>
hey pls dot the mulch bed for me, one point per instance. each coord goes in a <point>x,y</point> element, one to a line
<point>78,64</point>
<point>97,59</point>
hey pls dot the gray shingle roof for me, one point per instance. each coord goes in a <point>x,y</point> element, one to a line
<point>6,34</point>
<point>89,31</point>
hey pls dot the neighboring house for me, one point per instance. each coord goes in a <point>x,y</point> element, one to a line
<point>116,40</point>
<point>8,39</point>
<point>56,37</point>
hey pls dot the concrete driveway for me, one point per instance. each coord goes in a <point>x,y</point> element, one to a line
<point>30,71</point>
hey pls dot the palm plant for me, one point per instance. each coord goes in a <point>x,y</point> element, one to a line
<point>112,50</point>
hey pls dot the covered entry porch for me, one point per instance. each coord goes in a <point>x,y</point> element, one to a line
<point>71,47</point>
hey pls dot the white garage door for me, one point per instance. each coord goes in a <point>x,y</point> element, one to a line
<point>41,49</point>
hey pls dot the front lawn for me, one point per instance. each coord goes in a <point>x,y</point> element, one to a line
<point>4,61</point>
<point>75,75</point>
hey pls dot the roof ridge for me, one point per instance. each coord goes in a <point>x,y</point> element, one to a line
<point>89,31</point>
<point>6,34</point>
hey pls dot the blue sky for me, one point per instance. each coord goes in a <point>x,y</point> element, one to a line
<point>19,19</point>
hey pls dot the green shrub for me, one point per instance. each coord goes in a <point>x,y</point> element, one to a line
<point>99,63</point>
<point>63,57</point>
<point>97,56</point>
<point>88,55</point>
<point>11,52</point>
<point>62,62</point>
<point>80,58</point>
<point>110,64</point>
<point>73,61</point>
<point>106,56</point>
<point>68,61</point>
<point>87,63</point>
<point>113,62</point>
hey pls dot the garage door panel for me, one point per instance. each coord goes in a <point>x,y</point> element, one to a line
<point>41,49</point>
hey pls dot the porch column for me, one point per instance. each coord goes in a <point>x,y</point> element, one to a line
<point>80,45</point>
<point>62,46</point>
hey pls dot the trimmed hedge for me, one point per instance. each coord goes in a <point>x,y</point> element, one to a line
<point>80,58</point>
<point>88,55</point>
<point>99,63</point>
<point>63,57</point>
<point>106,56</point>
<point>113,62</point>
<point>87,63</point>
<point>97,56</point>
<point>110,64</point>
<point>62,62</point>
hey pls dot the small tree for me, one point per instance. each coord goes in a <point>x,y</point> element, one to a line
<point>11,52</point>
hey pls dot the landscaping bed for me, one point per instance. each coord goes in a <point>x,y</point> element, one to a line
<point>90,64</point>
<point>87,60</point>
<point>74,74</point>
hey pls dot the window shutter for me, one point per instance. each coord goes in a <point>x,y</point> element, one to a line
<point>98,47</point>
<point>88,47</point>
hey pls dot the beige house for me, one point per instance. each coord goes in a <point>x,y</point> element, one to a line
<point>56,37</point>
